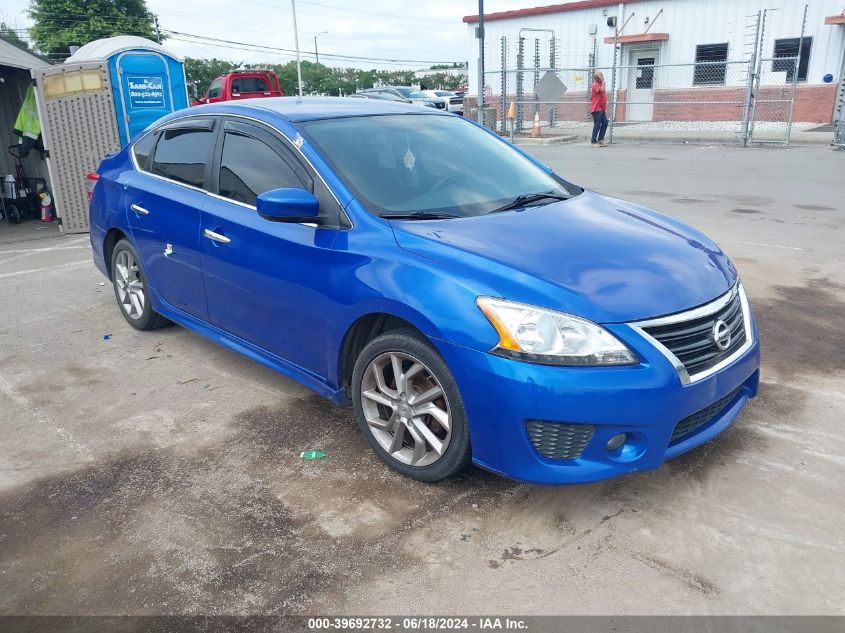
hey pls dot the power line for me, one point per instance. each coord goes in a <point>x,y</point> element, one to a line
<point>408,23</point>
<point>70,19</point>
<point>265,52</point>
<point>288,50</point>
<point>277,31</point>
<point>362,11</point>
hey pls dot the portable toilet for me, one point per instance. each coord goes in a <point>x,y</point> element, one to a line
<point>147,80</point>
<point>93,104</point>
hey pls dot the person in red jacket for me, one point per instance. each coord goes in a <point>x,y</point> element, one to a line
<point>598,107</point>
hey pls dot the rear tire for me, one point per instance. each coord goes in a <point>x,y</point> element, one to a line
<point>13,216</point>
<point>130,288</point>
<point>416,424</point>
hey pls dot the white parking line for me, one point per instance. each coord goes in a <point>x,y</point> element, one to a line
<point>47,269</point>
<point>20,253</point>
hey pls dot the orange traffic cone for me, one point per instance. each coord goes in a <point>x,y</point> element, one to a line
<point>512,111</point>
<point>535,133</point>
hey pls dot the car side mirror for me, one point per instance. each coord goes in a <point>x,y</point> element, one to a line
<point>288,205</point>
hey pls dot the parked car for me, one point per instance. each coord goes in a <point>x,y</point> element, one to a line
<point>454,102</point>
<point>487,310</point>
<point>242,84</point>
<point>385,96</point>
<point>414,96</point>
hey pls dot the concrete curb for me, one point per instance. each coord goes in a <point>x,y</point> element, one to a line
<point>710,138</point>
<point>545,140</point>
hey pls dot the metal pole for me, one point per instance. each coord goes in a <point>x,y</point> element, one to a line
<point>536,75</point>
<point>613,88</point>
<point>296,42</point>
<point>839,118</point>
<point>758,71</point>
<point>616,48</point>
<point>316,52</point>
<point>520,89</point>
<point>553,65</point>
<point>504,104</point>
<point>480,36</point>
<point>749,88</point>
<point>795,72</point>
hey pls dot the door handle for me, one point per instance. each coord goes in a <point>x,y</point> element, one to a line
<point>137,208</point>
<point>216,237</point>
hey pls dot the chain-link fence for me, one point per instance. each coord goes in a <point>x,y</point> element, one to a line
<point>839,117</point>
<point>724,96</point>
<point>532,80</point>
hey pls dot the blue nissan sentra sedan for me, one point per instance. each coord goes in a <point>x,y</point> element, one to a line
<point>472,305</point>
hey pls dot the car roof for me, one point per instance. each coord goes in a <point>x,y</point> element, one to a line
<point>312,108</point>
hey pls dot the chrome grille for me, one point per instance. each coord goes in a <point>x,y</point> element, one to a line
<point>557,440</point>
<point>698,419</point>
<point>693,342</point>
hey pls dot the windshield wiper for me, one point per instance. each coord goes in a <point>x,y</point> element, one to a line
<point>528,198</point>
<point>420,215</point>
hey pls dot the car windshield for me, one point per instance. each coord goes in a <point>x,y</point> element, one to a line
<point>411,94</point>
<point>443,93</point>
<point>403,164</point>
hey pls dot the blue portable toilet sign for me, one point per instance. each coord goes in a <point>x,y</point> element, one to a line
<point>145,92</point>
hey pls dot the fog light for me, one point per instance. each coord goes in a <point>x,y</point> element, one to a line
<point>616,441</point>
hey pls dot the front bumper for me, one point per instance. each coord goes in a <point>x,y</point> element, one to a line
<point>645,401</point>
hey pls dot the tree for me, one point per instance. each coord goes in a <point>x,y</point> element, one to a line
<point>317,79</point>
<point>11,35</point>
<point>59,24</point>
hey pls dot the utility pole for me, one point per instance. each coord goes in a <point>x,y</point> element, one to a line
<point>296,42</point>
<point>316,52</point>
<point>480,36</point>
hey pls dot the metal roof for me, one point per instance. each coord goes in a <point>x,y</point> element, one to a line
<point>11,55</point>
<point>105,48</point>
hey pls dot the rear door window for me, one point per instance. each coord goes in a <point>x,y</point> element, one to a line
<point>250,84</point>
<point>182,153</point>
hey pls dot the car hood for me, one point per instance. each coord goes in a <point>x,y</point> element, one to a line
<point>595,256</point>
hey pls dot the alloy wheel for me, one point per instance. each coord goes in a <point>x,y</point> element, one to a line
<point>406,409</point>
<point>130,287</point>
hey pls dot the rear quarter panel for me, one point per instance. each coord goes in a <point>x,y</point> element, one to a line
<point>106,209</point>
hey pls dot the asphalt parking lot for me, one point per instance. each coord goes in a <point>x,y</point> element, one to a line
<point>156,473</point>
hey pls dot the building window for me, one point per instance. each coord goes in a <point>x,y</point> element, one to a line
<point>710,66</point>
<point>789,48</point>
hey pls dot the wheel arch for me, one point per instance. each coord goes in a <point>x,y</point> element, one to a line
<point>371,324</point>
<point>112,237</point>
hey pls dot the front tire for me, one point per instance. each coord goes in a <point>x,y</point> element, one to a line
<point>130,288</point>
<point>409,408</point>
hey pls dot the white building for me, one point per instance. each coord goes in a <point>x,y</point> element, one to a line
<point>699,50</point>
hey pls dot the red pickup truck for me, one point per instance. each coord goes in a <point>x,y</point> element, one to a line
<point>242,84</point>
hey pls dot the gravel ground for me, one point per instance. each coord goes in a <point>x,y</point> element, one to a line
<point>156,473</point>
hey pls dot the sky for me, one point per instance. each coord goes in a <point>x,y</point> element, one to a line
<point>411,34</point>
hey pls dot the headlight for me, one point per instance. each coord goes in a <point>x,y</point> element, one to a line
<point>539,335</point>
